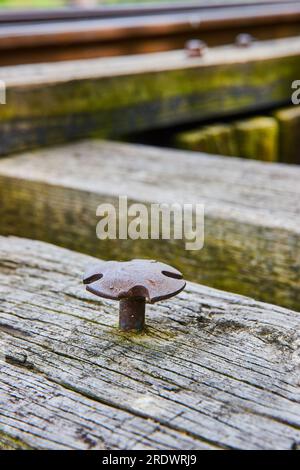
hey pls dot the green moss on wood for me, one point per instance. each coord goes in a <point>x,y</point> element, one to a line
<point>8,442</point>
<point>232,85</point>
<point>289,131</point>
<point>250,138</point>
<point>113,106</point>
<point>215,139</point>
<point>257,138</point>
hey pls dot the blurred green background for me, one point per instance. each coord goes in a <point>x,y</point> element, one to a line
<point>62,3</point>
<point>32,3</point>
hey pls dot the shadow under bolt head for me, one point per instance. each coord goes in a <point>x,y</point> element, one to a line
<point>134,283</point>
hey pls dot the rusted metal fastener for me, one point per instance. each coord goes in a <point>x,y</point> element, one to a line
<point>133,283</point>
<point>244,40</point>
<point>195,48</point>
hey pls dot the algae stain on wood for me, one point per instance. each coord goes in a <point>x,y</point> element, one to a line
<point>114,106</point>
<point>256,138</point>
<point>289,126</point>
<point>8,442</point>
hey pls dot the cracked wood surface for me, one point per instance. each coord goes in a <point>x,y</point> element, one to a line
<point>214,370</point>
<point>252,210</point>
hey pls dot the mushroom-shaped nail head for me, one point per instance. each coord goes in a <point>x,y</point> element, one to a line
<point>244,40</point>
<point>195,48</point>
<point>134,283</point>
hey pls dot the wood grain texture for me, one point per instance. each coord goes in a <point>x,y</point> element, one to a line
<point>252,230</point>
<point>50,103</point>
<point>213,370</point>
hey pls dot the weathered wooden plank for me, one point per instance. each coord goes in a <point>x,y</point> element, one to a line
<point>252,230</point>
<point>258,138</point>
<point>217,139</point>
<point>48,103</point>
<point>289,125</point>
<point>255,137</point>
<point>213,370</point>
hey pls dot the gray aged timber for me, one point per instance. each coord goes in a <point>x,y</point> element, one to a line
<point>252,210</point>
<point>214,370</point>
<point>51,103</point>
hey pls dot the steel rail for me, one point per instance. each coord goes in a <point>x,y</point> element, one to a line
<point>121,11</point>
<point>64,40</point>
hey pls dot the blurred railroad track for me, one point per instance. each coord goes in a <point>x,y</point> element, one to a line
<point>68,34</point>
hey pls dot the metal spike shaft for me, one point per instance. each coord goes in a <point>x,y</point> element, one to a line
<point>132,314</point>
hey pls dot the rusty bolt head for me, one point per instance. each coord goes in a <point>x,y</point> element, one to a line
<point>244,40</point>
<point>133,283</point>
<point>195,48</point>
